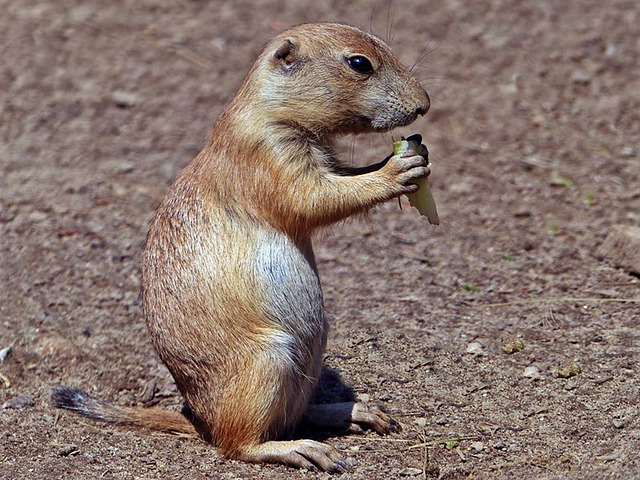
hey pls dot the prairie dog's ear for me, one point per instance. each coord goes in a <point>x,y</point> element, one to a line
<point>286,54</point>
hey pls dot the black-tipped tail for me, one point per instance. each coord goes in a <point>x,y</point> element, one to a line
<point>81,402</point>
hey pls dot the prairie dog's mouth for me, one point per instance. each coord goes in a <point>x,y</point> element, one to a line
<point>384,124</point>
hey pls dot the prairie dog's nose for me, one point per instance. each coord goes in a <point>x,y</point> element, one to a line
<point>424,104</point>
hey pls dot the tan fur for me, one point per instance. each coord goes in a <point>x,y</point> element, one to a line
<point>230,289</point>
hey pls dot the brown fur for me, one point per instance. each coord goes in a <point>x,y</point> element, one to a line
<point>230,289</point>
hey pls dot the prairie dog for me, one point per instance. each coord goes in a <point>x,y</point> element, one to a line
<point>230,289</point>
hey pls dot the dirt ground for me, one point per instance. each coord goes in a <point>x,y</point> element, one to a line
<point>534,135</point>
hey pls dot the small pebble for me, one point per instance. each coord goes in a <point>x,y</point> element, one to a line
<point>580,77</point>
<point>477,447</point>
<point>149,392</point>
<point>619,422</point>
<point>68,450</point>
<point>125,99</point>
<point>5,215</point>
<point>125,167</point>
<point>4,353</point>
<point>363,397</point>
<point>441,421</point>
<point>421,422</point>
<point>628,152</point>
<point>148,460</point>
<point>532,372</point>
<point>475,348</point>
<point>410,472</point>
<point>611,457</point>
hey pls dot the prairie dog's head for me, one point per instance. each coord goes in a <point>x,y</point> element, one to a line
<point>331,78</point>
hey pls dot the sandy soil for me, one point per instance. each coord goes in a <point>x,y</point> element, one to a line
<point>534,136</point>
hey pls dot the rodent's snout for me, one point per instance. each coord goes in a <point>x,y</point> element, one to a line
<point>424,106</point>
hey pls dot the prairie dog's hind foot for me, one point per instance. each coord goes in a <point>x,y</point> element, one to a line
<point>373,418</point>
<point>307,454</point>
<point>352,416</point>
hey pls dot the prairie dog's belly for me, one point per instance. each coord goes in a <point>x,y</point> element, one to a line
<point>294,303</point>
<point>293,296</point>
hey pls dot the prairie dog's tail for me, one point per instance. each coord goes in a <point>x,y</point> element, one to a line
<point>81,402</point>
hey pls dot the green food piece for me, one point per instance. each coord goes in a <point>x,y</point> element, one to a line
<point>451,443</point>
<point>569,369</point>
<point>470,288</point>
<point>512,345</point>
<point>422,199</point>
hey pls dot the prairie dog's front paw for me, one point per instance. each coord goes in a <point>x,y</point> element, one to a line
<point>404,169</point>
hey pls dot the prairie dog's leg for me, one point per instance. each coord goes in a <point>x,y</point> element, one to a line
<point>307,454</point>
<point>350,416</point>
<point>266,404</point>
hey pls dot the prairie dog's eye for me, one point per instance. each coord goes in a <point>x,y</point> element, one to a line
<point>360,64</point>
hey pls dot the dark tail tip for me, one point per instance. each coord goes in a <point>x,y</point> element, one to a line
<point>69,398</point>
